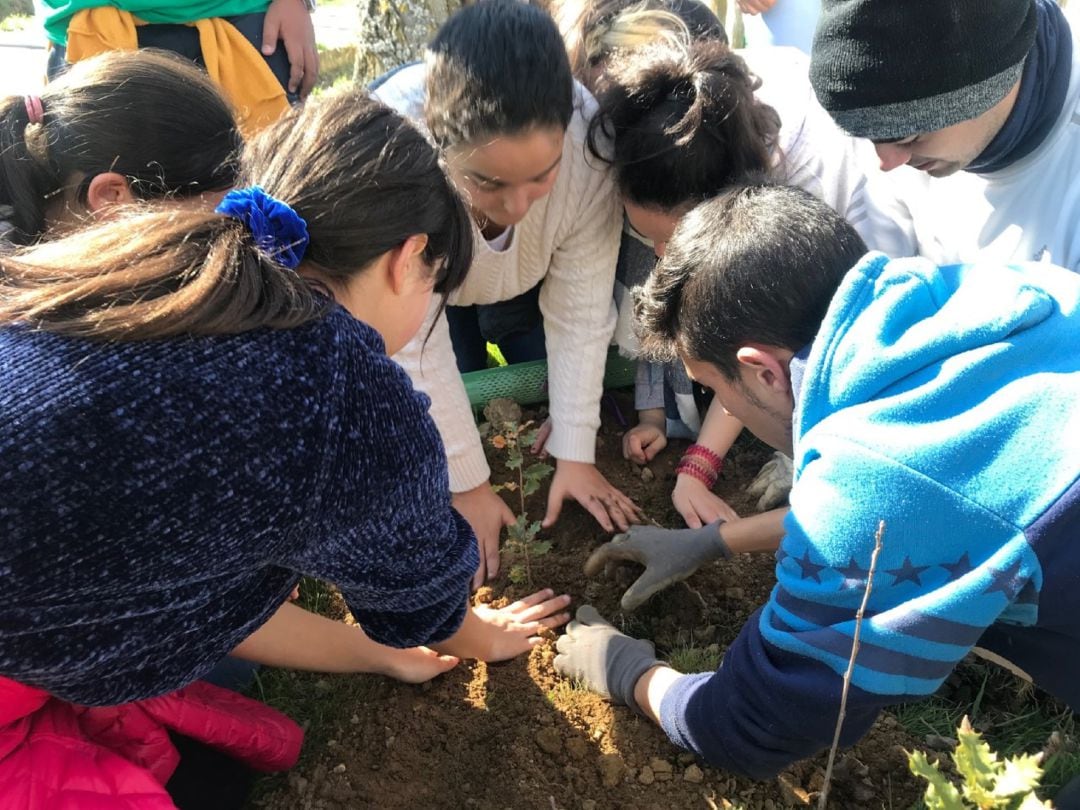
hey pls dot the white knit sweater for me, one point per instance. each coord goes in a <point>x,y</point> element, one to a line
<point>570,241</point>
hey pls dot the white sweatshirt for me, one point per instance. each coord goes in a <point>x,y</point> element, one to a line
<point>1029,211</point>
<point>569,240</point>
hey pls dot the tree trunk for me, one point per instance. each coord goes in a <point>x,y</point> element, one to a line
<point>394,32</point>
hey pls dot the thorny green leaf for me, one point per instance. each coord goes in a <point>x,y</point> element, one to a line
<point>941,794</point>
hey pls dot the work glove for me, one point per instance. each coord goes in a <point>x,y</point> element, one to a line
<point>669,555</point>
<point>606,661</point>
<point>773,482</point>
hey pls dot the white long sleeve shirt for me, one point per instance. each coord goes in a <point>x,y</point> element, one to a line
<point>569,240</point>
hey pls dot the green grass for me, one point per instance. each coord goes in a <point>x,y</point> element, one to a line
<point>335,68</point>
<point>691,658</point>
<point>1012,715</point>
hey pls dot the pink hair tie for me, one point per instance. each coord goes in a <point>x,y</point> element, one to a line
<point>34,110</point>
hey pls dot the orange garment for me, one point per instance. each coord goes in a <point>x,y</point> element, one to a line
<point>232,61</point>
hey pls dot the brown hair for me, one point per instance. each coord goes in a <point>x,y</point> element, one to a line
<point>684,123</point>
<point>595,30</point>
<point>362,178</point>
<point>149,115</point>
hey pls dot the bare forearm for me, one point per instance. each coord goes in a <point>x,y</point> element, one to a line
<point>472,640</point>
<point>651,687</point>
<point>719,430</point>
<point>295,638</point>
<point>761,532</point>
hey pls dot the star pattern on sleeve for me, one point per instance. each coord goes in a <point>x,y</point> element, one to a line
<point>960,567</point>
<point>907,572</point>
<point>854,575</point>
<point>810,569</point>
<point>1006,581</point>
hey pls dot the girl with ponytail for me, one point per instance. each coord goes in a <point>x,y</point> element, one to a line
<point>123,126</point>
<point>199,407</point>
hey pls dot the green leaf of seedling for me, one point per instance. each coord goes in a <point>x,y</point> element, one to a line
<point>529,439</point>
<point>518,575</point>
<point>941,794</point>
<point>538,471</point>
<point>530,486</point>
<point>1019,775</point>
<point>531,531</point>
<point>977,764</point>
<point>541,547</point>
<point>513,457</point>
<point>500,487</point>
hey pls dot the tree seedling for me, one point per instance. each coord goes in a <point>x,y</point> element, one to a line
<point>988,781</point>
<point>511,436</point>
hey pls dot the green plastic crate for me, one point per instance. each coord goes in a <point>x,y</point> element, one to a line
<point>526,383</point>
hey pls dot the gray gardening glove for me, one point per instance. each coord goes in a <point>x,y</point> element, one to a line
<point>606,661</point>
<point>773,483</point>
<point>669,555</point>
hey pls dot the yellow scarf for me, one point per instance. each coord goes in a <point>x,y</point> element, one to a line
<point>231,60</point>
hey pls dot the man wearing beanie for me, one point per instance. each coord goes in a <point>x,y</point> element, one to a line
<point>980,96</point>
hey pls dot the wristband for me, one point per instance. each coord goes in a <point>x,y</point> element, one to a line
<point>686,467</point>
<point>714,460</point>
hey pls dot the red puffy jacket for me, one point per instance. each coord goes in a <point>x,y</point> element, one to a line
<point>58,755</point>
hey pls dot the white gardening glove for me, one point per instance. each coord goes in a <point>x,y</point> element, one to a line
<point>773,483</point>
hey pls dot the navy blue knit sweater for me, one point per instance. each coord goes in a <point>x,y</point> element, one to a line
<point>159,499</point>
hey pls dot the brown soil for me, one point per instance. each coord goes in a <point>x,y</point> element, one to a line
<point>517,735</point>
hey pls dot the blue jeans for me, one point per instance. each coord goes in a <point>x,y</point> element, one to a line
<point>515,326</point>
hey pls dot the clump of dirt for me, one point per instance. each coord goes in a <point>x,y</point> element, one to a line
<point>518,736</point>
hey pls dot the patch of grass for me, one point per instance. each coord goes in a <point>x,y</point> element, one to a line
<point>691,658</point>
<point>1014,717</point>
<point>16,8</point>
<point>565,691</point>
<point>335,68</point>
<point>17,22</point>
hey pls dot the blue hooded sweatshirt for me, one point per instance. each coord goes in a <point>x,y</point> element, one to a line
<point>945,402</point>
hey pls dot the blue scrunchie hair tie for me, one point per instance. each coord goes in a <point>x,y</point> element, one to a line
<point>277,228</point>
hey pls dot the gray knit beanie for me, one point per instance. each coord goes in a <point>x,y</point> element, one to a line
<point>888,69</point>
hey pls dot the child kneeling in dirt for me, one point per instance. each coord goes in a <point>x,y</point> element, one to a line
<point>215,414</point>
<point>910,395</point>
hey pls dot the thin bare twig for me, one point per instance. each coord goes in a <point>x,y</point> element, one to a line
<point>824,797</point>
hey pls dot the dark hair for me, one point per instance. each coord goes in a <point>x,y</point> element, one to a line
<point>363,179</point>
<point>684,123</point>
<point>149,115</point>
<point>757,264</point>
<point>496,67</point>
<point>594,30</point>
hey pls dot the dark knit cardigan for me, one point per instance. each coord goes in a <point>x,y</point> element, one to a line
<point>159,499</point>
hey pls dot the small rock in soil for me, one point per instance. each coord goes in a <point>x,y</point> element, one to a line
<point>549,740</point>
<point>645,776</point>
<point>792,793</point>
<point>577,748</point>
<point>502,411</point>
<point>661,768</point>
<point>588,804</point>
<point>339,768</point>
<point>647,475</point>
<point>693,774</point>
<point>611,769</point>
<point>940,743</point>
<point>686,758</point>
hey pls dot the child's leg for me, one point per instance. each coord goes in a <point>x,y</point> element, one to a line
<point>516,326</point>
<point>470,348</point>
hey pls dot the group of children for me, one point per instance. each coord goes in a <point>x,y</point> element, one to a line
<point>229,362</point>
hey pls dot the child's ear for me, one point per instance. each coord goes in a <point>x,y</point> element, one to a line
<point>106,190</point>
<point>404,260</point>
